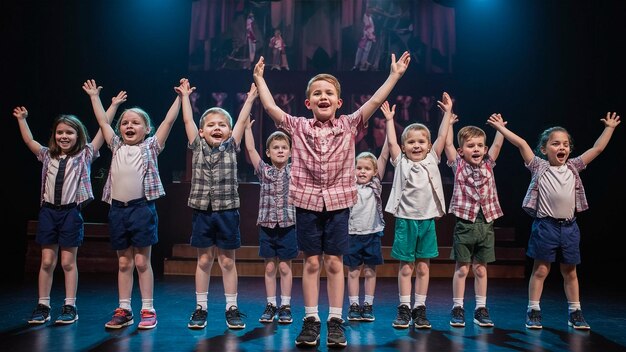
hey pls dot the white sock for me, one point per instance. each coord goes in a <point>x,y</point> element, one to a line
<point>202,299</point>
<point>335,312</point>
<point>311,312</point>
<point>285,300</point>
<point>405,300</point>
<point>369,300</point>
<point>420,300</point>
<point>231,300</point>
<point>147,304</point>
<point>272,300</point>
<point>45,301</point>
<point>481,301</point>
<point>533,305</point>
<point>573,306</point>
<point>70,301</point>
<point>353,300</point>
<point>125,304</point>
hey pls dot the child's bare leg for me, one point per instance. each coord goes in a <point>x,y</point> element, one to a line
<point>206,257</point>
<point>369,272</point>
<point>270,277</point>
<point>286,277</point>
<point>422,276</point>
<point>570,282</point>
<point>226,260</point>
<point>480,279</point>
<point>354,273</point>
<point>335,284</point>
<point>404,278</point>
<point>145,273</point>
<point>541,269</point>
<point>311,280</point>
<point>68,262</point>
<point>126,266</point>
<point>46,270</point>
<point>458,280</point>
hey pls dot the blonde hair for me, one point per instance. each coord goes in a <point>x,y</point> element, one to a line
<point>369,156</point>
<point>139,111</point>
<point>468,132</point>
<point>216,110</point>
<point>324,77</point>
<point>415,127</point>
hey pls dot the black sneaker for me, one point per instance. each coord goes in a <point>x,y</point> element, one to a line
<point>457,317</point>
<point>198,318</point>
<point>68,315</point>
<point>336,336</point>
<point>577,321</point>
<point>310,334</point>
<point>367,312</point>
<point>40,315</point>
<point>234,318</point>
<point>403,319</point>
<point>533,319</point>
<point>121,318</point>
<point>284,314</point>
<point>268,314</point>
<point>481,317</point>
<point>419,318</point>
<point>354,312</point>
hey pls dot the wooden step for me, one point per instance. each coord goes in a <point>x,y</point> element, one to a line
<point>510,263</point>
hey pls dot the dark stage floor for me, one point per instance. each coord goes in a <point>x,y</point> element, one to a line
<point>174,300</point>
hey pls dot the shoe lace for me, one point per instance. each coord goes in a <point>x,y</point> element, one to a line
<point>119,312</point>
<point>40,309</point>
<point>199,314</point>
<point>577,317</point>
<point>67,309</point>
<point>404,313</point>
<point>482,313</point>
<point>311,326</point>
<point>284,310</point>
<point>234,313</point>
<point>534,315</point>
<point>147,314</point>
<point>458,313</point>
<point>335,326</point>
<point>270,309</point>
<point>367,308</point>
<point>354,307</point>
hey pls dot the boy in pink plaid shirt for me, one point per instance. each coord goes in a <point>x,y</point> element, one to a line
<point>323,187</point>
<point>475,204</point>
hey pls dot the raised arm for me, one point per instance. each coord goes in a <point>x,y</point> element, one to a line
<point>382,160</point>
<point>21,114</point>
<point>106,132</point>
<point>451,152</point>
<point>276,113</point>
<point>397,70</point>
<point>496,121</point>
<point>445,104</point>
<point>610,122</point>
<point>390,129</point>
<point>244,114</point>
<point>172,114</point>
<point>496,146</point>
<point>253,154</point>
<point>191,129</point>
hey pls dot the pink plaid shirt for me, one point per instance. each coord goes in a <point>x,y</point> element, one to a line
<point>474,188</point>
<point>322,170</point>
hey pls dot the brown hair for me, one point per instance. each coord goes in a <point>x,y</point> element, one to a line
<point>324,77</point>
<point>82,137</point>
<point>468,132</point>
<point>277,136</point>
<point>216,110</point>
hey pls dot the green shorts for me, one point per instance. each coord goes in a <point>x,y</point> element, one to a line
<point>473,240</point>
<point>414,239</point>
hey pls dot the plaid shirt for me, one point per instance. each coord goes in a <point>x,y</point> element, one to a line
<point>538,167</point>
<point>152,186</point>
<point>214,175</point>
<point>82,160</point>
<point>274,196</point>
<point>474,188</point>
<point>323,173</point>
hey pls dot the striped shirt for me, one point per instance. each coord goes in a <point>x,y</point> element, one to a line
<point>214,182</point>
<point>322,172</point>
<point>81,162</point>
<point>474,188</point>
<point>538,167</point>
<point>274,196</point>
<point>152,186</point>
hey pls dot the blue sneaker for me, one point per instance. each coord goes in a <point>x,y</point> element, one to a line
<point>268,314</point>
<point>284,314</point>
<point>354,312</point>
<point>40,315</point>
<point>68,315</point>
<point>367,312</point>
<point>577,321</point>
<point>457,318</point>
<point>533,319</point>
<point>234,318</point>
<point>481,318</point>
<point>198,319</point>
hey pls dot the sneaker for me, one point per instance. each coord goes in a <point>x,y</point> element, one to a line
<point>403,319</point>
<point>284,314</point>
<point>354,312</point>
<point>198,319</point>
<point>148,319</point>
<point>68,315</point>
<point>233,318</point>
<point>457,317</point>
<point>577,321</point>
<point>268,314</point>
<point>367,312</point>
<point>481,317</point>
<point>336,336</point>
<point>121,318</point>
<point>40,315</point>
<point>310,334</point>
<point>533,319</point>
<point>419,318</point>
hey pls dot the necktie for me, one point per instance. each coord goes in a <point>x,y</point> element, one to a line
<point>58,182</point>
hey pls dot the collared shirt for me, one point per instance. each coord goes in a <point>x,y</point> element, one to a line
<point>214,175</point>
<point>322,171</point>
<point>538,167</point>
<point>81,162</point>
<point>474,188</point>
<point>417,191</point>
<point>274,208</point>
<point>366,216</point>
<point>152,186</point>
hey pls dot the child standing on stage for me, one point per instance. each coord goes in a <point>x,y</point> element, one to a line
<point>276,221</point>
<point>475,205</point>
<point>366,227</point>
<point>416,200</point>
<point>554,196</point>
<point>132,187</point>
<point>65,190</point>
<point>214,199</point>
<point>323,188</point>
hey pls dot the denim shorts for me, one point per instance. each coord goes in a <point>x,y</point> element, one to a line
<point>324,232</point>
<point>364,249</point>
<point>134,223</point>
<point>215,228</point>
<point>64,227</point>
<point>278,242</point>
<point>554,240</point>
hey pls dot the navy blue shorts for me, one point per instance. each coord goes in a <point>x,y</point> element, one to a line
<point>364,249</point>
<point>554,240</point>
<point>134,223</point>
<point>62,226</point>
<point>278,242</point>
<point>215,228</point>
<point>324,232</point>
